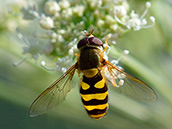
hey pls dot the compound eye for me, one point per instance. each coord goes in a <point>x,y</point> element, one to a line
<point>89,41</point>
<point>82,42</point>
<point>95,41</point>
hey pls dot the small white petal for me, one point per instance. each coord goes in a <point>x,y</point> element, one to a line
<point>114,42</point>
<point>54,35</point>
<point>120,11</point>
<point>105,56</point>
<point>75,47</point>
<point>152,18</point>
<point>63,69</point>
<point>51,7</point>
<point>53,40</point>
<point>100,3</point>
<point>100,22</point>
<point>133,14</point>
<point>126,52</point>
<point>64,4</point>
<point>144,22</point>
<point>114,27</point>
<point>121,82</point>
<point>43,63</point>
<point>46,23</point>
<point>105,45</point>
<point>71,52</point>
<point>148,4</point>
<point>114,62</point>
<point>70,44</point>
<point>78,10</point>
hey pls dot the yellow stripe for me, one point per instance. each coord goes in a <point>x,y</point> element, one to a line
<point>98,116</point>
<point>100,84</point>
<point>84,85</point>
<point>98,96</point>
<point>92,107</point>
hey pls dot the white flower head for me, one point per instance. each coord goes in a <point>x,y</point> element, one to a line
<point>46,23</point>
<point>51,7</point>
<point>66,20</point>
<point>133,21</point>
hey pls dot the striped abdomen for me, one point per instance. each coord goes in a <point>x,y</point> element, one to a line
<point>94,94</point>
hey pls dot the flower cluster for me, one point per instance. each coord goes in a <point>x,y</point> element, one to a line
<point>66,20</point>
<point>133,21</point>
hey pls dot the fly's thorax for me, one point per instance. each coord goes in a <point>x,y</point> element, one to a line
<point>89,58</point>
<point>90,48</point>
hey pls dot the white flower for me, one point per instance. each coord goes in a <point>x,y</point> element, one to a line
<point>120,11</point>
<point>64,4</point>
<point>60,38</point>
<point>67,13</point>
<point>109,20</point>
<point>46,22</point>
<point>114,27</point>
<point>78,10</point>
<point>100,22</point>
<point>54,35</point>
<point>148,4</point>
<point>66,20</point>
<point>51,7</point>
<point>134,21</point>
<point>71,52</point>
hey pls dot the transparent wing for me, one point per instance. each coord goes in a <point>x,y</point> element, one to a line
<point>54,94</point>
<point>128,85</point>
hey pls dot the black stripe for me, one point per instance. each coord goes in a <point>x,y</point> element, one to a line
<point>93,90</point>
<point>96,111</point>
<point>95,101</point>
<point>92,81</point>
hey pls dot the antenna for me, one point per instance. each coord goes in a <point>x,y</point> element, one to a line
<point>88,34</point>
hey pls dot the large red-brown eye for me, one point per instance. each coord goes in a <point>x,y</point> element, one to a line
<point>95,41</point>
<point>82,42</point>
<point>89,41</point>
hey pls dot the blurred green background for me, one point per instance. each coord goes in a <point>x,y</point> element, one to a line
<point>150,59</point>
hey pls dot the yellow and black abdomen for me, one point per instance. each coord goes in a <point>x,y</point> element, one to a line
<point>94,94</point>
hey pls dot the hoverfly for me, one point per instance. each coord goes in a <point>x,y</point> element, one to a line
<point>96,71</point>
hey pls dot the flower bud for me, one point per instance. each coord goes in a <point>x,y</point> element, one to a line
<point>51,7</point>
<point>46,23</point>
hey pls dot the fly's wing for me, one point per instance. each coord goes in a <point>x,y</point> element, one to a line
<point>54,94</point>
<point>128,85</point>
